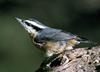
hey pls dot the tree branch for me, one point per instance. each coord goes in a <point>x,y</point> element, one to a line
<point>77,60</point>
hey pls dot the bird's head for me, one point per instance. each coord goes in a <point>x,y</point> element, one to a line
<point>32,26</point>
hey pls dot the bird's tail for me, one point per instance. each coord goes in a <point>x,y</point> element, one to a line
<point>85,42</point>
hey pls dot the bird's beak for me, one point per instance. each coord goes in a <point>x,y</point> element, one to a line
<point>27,28</point>
<point>21,22</point>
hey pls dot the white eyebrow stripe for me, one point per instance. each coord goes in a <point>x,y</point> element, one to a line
<point>36,24</point>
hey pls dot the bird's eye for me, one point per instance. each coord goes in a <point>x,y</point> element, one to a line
<point>27,23</point>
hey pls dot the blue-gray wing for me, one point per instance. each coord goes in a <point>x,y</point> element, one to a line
<point>50,34</point>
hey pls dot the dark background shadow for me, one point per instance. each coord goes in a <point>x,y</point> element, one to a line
<point>17,54</point>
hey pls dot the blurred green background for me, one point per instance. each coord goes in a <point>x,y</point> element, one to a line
<point>17,54</point>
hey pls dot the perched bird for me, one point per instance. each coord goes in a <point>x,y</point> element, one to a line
<point>50,40</point>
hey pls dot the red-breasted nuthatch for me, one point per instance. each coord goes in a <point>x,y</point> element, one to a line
<point>50,40</point>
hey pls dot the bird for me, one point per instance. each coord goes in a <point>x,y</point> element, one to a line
<point>50,40</point>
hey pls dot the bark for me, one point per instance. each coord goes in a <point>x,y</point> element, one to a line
<point>77,60</point>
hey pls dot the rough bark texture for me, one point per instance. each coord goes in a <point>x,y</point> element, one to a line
<point>77,60</point>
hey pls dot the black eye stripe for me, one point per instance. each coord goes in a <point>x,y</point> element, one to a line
<point>33,26</point>
<point>27,24</point>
